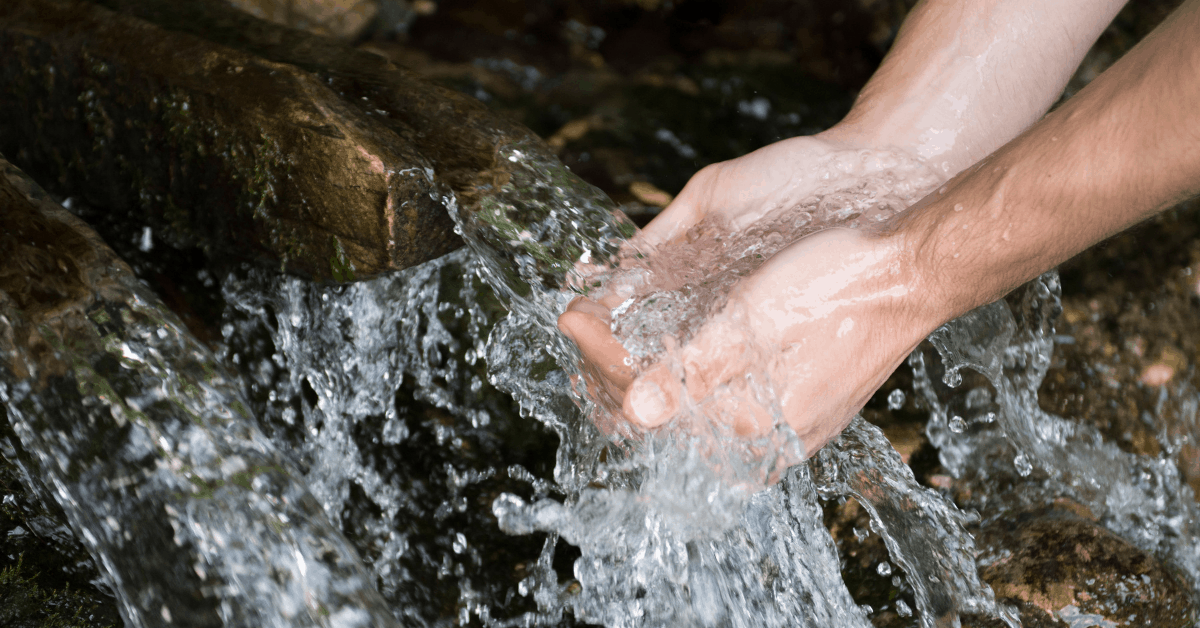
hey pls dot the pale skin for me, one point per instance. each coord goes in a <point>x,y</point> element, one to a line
<point>965,87</point>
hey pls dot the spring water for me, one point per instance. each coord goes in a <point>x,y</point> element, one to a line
<point>412,485</point>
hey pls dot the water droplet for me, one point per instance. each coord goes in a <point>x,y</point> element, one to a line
<point>146,242</point>
<point>884,569</point>
<point>895,399</point>
<point>957,424</point>
<point>1024,467</point>
<point>902,609</point>
<point>952,378</point>
<point>861,534</point>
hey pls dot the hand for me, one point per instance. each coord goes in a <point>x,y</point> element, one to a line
<point>740,191</point>
<point>826,321</point>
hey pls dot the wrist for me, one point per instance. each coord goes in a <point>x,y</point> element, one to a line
<point>963,244</point>
<point>928,301</point>
<point>909,242</point>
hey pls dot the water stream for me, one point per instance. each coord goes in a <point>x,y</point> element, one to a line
<point>367,419</point>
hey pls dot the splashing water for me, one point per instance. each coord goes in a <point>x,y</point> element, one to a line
<point>166,479</point>
<point>666,539</point>
<point>1140,498</point>
<point>373,399</point>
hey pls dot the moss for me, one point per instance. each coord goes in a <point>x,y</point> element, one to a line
<point>44,581</point>
<point>340,265</point>
<point>24,603</point>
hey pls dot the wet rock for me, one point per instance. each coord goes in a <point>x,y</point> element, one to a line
<point>459,134</point>
<point>115,413</point>
<point>214,147</point>
<point>279,145</point>
<point>1070,568</point>
<point>867,568</point>
<point>336,18</point>
<point>1131,330</point>
<point>45,573</point>
<point>462,139</point>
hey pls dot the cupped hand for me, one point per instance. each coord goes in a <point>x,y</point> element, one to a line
<point>824,323</point>
<point>738,192</point>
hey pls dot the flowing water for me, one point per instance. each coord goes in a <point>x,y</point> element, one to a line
<point>373,448</point>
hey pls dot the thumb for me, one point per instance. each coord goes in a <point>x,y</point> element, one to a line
<point>653,398</point>
<point>598,345</point>
<point>688,209</point>
<point>718,353</point>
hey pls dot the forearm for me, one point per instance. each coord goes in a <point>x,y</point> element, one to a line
<point>1126,147</point>
<point>964,77</point>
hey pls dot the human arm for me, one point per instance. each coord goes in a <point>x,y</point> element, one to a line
<point>1125,147</point>
<point>843,308</point>
<point>961,79</point>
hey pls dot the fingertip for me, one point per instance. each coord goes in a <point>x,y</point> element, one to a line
<point>569,323</point>
<point>651,401</point>
<point>598,345</point>
<point>672,221</point>
<point>588,306</point>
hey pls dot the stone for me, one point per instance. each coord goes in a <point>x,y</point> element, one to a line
<point>1070,568</point>
<point>216,148</point>
<point>243,137</point>
<point>459,135</point>
<point>118,416</point>
<point>336,18</point>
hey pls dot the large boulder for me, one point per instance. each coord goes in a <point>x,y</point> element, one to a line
<point>243,137</point>
<point>336,18</point>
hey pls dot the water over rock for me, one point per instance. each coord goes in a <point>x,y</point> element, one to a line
<point>248,139</point>
<point>109,401</point>
<point>1069,567</point>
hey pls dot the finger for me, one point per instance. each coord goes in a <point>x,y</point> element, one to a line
<point>672,222</point>
<point>588,306</point>
<point>735,405</point>
<point>682,214</point>
<point>713,357</point>
<point>654,398</point>
<point>599,347</point>
<point>718,353</point>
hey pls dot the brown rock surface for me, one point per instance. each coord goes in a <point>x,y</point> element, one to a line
<point>1068,566</point>
<point>458,134</point>
<point>243,137</point>
<point>224,150</point>
<point>336,18</point>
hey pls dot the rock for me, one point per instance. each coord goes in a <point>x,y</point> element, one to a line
<point>1131,312</point>
<point>457,133</point>
<point>1070,568</point>
<point>337,18</point>
<point>280,146</point>
<point>44,570</point>
<point>236,154</point>
<point>119,416</point>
